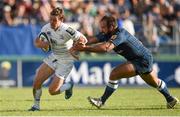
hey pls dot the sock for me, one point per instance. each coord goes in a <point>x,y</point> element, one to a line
<point>37,95</point>
<point>164,91</point>
<point>65,87</point>
<point>110,88</point>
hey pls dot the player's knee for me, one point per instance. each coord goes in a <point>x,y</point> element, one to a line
<point>52,91</point>
<point>37,84</point>
<point>113,76</point>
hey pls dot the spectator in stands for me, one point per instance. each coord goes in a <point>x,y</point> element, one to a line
<point>73,13</point>
<point>164,14</point>
<point>101,11</point>
<point>125,22</point>
<point>45,10</point>
<point>55,3</point>
<point>123,4</point>
<point>176,6</point>
<point>86,21</point>
<point>9,12</point>
<point>169,20</point>
<point>1,10</point>
<point>151,34</point>
<point>158,21</point>
<point>163,5</point>
<point>23,12</point>
<point>7,16</point>
<point>107,4</point>
<point>138,8</point>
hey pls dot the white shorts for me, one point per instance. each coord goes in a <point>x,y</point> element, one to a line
<point>61,67</point>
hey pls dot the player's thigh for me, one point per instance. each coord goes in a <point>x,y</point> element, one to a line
<point>151,78</point>
<point>55,85</point>
<point>43,73</point>
<point>63,68</point>
<point>124,70</point>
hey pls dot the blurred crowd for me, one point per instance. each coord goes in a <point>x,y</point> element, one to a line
<point>152,21</point>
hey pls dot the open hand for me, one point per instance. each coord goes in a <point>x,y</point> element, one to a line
<point>79,46</point>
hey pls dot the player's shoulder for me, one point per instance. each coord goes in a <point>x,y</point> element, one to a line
<point>66,27</point>
<point>120,33</point>
<point>46,26</point>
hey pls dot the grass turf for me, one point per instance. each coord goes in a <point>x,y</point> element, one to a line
<point>124,102</point>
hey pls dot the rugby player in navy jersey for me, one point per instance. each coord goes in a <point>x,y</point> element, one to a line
<point>139,60</point>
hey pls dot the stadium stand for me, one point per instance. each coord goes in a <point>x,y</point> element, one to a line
<point>155,23</point>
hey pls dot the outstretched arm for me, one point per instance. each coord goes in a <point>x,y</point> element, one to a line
<point>98,48</point>
<point>92,40</point>
<point>82,40</point>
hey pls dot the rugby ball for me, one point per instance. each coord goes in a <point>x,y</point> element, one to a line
<point>43,36</point>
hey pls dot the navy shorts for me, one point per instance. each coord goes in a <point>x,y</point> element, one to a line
<point>143,65</point>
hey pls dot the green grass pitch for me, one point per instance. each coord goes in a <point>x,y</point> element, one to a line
<point>124,102</point>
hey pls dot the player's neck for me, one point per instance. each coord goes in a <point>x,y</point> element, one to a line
<point>56,27</point>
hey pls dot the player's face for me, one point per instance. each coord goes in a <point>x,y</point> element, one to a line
<point>55,22</point>
<point>103,27</point>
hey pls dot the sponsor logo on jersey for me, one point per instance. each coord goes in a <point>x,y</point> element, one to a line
<point>113,37</point>
<point>48,33</point>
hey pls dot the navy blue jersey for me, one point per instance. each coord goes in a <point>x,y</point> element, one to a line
<point>130,48</point>
<point>126,44</point>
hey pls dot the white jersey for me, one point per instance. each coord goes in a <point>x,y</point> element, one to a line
<point>59,39</point>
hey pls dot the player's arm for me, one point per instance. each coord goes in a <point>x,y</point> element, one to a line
<point>100,37</point>
<point>39,43</point>
<point>92,40</point>
<point>98,48</point>
<point>79,38</point>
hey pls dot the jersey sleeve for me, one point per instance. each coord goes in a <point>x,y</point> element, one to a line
<point>101,37</point>
<point>80,34</point>
<point>72,34</point>
<point>116,40</point>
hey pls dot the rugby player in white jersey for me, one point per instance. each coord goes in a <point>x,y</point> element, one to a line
<point>60,62</point>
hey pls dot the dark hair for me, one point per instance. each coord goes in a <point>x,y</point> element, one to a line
<point>58,12</point>
<point>110,20</point>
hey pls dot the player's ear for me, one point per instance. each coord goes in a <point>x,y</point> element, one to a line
<point>61,18</point>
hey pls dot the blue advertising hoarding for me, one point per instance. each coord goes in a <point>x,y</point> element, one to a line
<point>96,73</point>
